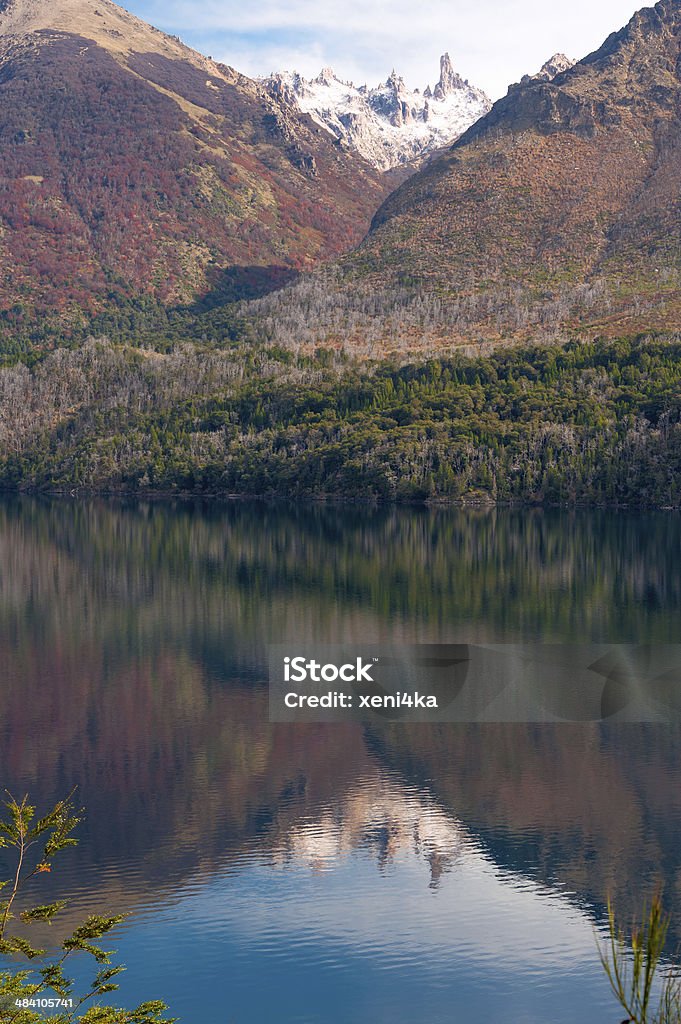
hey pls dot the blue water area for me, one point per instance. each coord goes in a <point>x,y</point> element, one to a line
<point>338,873</point>
<point>321,937</point>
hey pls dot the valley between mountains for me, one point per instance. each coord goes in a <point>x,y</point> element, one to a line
<point>217,285</point>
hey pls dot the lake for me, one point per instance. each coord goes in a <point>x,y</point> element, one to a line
<point>335,873</point>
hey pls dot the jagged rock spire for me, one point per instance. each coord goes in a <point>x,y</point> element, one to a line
<point>450,81</point>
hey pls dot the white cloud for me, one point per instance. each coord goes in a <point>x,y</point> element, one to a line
<point>492,42</point>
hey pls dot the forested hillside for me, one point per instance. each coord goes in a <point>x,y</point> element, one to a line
<point>596,423</point>
<point>508,331</point>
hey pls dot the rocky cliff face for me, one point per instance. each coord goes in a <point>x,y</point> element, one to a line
<point>389,125</point>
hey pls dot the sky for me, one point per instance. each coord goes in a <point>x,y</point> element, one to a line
<point>491,42</point>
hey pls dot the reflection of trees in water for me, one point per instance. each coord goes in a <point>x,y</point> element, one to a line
<point>509,573</point>
<point>132,641</point>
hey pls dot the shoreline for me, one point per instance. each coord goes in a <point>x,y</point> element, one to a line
<point>219,497</point>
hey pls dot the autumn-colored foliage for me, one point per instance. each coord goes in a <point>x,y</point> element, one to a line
<point>148,178</point>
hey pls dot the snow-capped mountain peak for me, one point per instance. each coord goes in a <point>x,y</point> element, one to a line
<point>388,124</point>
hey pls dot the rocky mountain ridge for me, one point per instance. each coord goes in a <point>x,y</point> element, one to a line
<point>100,21</point>
<point>550,69</point>
<point>558,211</point>
<point>389,124</point>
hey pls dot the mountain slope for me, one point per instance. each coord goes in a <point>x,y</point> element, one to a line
<point>103,22</point>
<point>388,125</point>
<point>559,209</point>
<point>132,165</point>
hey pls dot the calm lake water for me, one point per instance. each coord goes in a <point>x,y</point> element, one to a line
<point>335,874</point>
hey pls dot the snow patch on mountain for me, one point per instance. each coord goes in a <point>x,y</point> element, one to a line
<point>388,125</point>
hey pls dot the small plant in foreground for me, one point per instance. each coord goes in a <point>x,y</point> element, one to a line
<point>42,989</point>
<point>648,993</point>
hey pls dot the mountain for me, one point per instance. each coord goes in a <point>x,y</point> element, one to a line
<point>560,210</point>
<point>555,65</point>
<point>389,125</point>
<point>131,165</point>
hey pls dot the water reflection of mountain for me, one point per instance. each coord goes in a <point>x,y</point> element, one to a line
<point>133,650</point>
<point>380,814</point>
<point>594,809</point>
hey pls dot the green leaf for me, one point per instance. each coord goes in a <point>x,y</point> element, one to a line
<point>94,927</point>
<point>18,945</point>
<point>44,913</point>
<point>104,977</point>
<point>102,956</point>
<point>53,977</point>
<point>150,1012</point>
